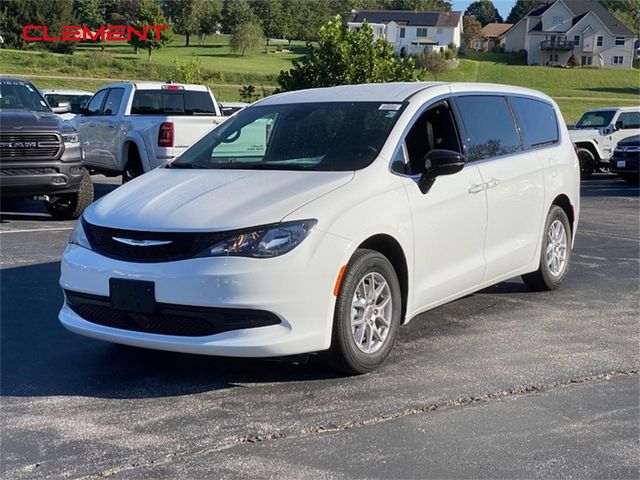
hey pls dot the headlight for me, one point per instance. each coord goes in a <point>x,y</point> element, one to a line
<point>78,236</point>
<point>71,138</point>
<point>263,242</point>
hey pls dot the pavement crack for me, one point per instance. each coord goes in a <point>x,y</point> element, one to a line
<point>444,405</point>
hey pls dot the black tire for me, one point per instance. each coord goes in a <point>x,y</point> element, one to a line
<point>70,206</point>
<point>344,354</point>
<point>631,178</point>
<point>133,167</point>
<point>603,168</point>
<point>587,163</point>
<point>543,279</point>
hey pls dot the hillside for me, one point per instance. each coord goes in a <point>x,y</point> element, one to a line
<point>574,89</point>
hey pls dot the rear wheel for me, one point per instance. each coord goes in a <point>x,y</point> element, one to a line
<point>587,163</point>
<point>69,206</point>
<point>367,314</point>
<point>555,254</point>
<point>133,167</point>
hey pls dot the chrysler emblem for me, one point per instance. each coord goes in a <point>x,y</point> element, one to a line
<point>142,243</point>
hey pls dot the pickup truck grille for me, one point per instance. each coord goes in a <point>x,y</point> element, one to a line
<point>161,247</point>
<point>29,145</point>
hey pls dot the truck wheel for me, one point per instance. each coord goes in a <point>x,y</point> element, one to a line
<point>133,167</point>
<point>367,314</point>
<point>587,163</point>
<point>70,206</point>
<point>555,254</point>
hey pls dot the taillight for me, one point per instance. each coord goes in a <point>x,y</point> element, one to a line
<point>165,134</point>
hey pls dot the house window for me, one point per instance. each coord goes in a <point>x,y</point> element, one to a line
<point>479,44</point>
<point>421,32</point>
<point>403,31</point>
<point>618,60</point>
<point>599,41</point>
<point>440,32</point>
<point>557,20</point>
<point>620,41</point>
<point>553,57</point>
<point>576,40</point>
<point>586,60</point>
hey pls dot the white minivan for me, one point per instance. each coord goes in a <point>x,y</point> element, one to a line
<point>322,220</point>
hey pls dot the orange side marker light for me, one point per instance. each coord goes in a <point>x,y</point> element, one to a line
<point>336,288</point>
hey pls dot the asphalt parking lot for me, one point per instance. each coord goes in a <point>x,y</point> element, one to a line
<point>504,383</point>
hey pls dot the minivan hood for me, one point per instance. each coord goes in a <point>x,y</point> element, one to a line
<point>210,200</point>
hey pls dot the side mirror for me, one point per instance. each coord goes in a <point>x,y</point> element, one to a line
<point>438,163</point>
<point>62,107</point>
<point>619,125</point>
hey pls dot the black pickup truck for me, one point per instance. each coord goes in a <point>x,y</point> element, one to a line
<point>40,155</point>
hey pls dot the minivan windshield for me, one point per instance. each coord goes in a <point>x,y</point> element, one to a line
<point>595,119</point>
<point>332,136</point>
<point>20,95</point>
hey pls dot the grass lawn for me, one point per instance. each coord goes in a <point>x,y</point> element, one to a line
<point>575,90</point>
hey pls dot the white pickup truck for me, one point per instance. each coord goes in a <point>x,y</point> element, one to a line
<point>598,132</point>
<point>130,128</point>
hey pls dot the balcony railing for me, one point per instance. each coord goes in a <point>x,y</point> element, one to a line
<point>556,45</point>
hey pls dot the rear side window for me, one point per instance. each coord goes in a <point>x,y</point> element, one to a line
<point>537,120</point>
<point>172,102</point>
<point>490,126</point>
<point>629,120</point>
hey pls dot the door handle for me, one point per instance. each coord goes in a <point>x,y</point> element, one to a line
<point>477,187</point>
<point>493,183</point>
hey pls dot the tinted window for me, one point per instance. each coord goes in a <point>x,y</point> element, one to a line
<point>20,95</point>
<point>172,102</point>
<point>335,136</point>
<point>94,107</point>
<point>537,120</point>
<point>112,105</point>
<point>630,119</point>
<point>489,126</point>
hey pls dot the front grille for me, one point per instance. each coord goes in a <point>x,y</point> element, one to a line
<point>16,172</point>
<point>177,320</point>
<point>182,245</point>
<point>29,145</point>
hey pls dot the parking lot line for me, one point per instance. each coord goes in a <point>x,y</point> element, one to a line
<point>36,230</point>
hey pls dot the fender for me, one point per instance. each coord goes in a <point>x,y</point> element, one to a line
<point>135,138</point>
<point>592,146</point>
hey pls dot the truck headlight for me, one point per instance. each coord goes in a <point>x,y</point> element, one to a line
<point>78,235</point>
<point>262,242</point>
<point>70,138</point>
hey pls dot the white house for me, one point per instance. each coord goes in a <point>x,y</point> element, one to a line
<point>412,32</point>
<point>553,31</point>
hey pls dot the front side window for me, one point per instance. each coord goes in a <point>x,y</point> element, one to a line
<point>112,105</point>
<point>537,120</point>
<point>597,119</point>
<point>332,136</point>
<point>629,120</point>
<point>587,60</point>
<point>95,104</point>
<point>20,95</point>
<point>490,126</point>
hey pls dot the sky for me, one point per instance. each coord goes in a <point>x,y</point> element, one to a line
<point>503,6</point>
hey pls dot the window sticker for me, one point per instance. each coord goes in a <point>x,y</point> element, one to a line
<point>390,106</point>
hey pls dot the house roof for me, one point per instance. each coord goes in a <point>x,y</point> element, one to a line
<point>495,29</point>
<point>407,17</point>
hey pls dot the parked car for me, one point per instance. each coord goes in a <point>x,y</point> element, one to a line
<point>229,108</point>
<point>131,128</point>
<point>40,155</point>
<point>76,99</point>
<point>597,133</point>
<point>322,220</point>
<point>626,159</point>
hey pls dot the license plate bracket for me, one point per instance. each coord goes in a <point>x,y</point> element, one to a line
<point>136,296</point>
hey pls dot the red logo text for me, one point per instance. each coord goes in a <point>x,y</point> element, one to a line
<point>81,33</point>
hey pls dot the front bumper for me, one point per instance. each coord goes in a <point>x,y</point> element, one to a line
<point>627,163</point>
<point>296,287</point>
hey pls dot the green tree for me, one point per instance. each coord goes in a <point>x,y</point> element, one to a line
<point>120,12</point>
<point>471,30</point>
<point>89,12</point>
<point>627,11</point>
<point>424,5</point>
<point>433,62</point>
<point>520,9</point>
<point>271,15</point>
<point>484,11</point>
<point>344,57</point>
<point>149,13</point>
<point>210,19</point>
<point>234,13</point>
<point>247,37</point>
<point>185,16</point>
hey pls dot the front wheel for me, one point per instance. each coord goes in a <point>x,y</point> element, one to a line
<point>367,314</point>
<point>69,206</point>
<point>555,254</point>
<point>587,163</point>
